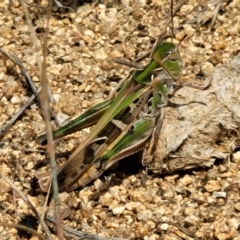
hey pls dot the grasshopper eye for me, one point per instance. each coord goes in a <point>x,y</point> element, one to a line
<point>172,55</point>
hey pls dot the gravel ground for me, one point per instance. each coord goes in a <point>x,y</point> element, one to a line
<point>201,203</point>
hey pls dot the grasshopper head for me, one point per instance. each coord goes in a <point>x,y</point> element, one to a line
<point>168,56</point>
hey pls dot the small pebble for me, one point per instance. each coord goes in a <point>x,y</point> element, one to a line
<point>186,180</point>
<point>145,215</point>
<point>213,185</point>
<point>237,206</point>
<point>16,99</point>
<point>192,220</point>
<point>236,157</point>
<point>219,194</point>
<point>164,226</point>
<point>118,210</point>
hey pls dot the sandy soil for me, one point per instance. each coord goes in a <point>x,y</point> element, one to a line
<point>202,203</point>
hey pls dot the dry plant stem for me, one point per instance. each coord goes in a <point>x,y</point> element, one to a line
<point>17,61</point>
<point>215,13</point>
<point>184,230</point>
<point>35,41</point>
<point>45,107</point>
<point>29,81</point>
<point>69,232</point>
<point>46,113</point>
<point>44,207</point>
<point>35,91</point>
<point>30,230</point>
<point>16,116</point>
<point>163,33</point>
<point>25,199</point>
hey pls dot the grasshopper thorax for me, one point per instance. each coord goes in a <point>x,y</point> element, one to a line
<point>168,56</point>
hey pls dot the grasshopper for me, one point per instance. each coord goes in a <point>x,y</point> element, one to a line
<point>126,123</point>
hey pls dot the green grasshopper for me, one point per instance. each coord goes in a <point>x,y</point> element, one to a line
<point>126,123</point>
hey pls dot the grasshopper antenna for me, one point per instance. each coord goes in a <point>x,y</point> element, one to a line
<point>171,12</point>
<point>172,25</point>
<point>182,40</point>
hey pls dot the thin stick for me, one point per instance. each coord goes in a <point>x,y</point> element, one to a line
<point>69,232</point>
<point>35,41</point>
<point>171,8</point>
<point>18,62</point>
<point>163,33</point>
<point>16,116</point>
<point>46,113</point>
<point>27,229</point>
<point>25,199</point>
<point>215,13</point>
